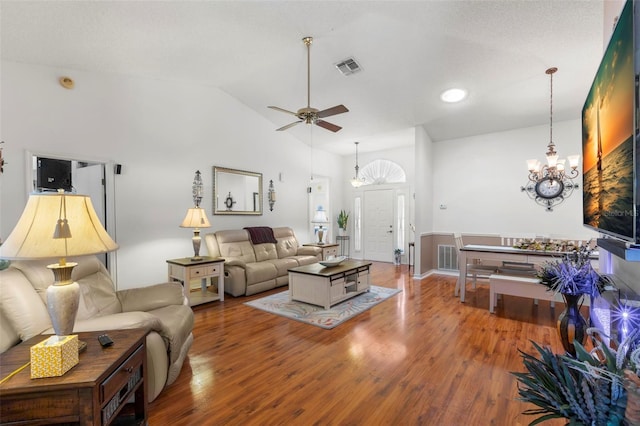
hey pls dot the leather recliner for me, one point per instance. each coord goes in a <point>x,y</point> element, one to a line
<point>160,308</point>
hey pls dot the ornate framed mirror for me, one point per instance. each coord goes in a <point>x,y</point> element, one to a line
<point>236,191</point>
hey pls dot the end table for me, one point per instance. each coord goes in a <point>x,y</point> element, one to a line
<point>107,386</point>
<point>328,249</point>
<point>185,270</point>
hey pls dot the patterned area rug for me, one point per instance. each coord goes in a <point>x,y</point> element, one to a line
<point>279,304</point>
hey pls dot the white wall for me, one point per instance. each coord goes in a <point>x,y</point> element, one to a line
<point>478,179</point>
<point>424,184</point>
<point>161,132</point>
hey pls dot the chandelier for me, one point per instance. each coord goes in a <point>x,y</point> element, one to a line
<point>550,184</point>
<point>357,182</point>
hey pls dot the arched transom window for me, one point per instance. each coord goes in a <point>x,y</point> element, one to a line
<point>379,172</point>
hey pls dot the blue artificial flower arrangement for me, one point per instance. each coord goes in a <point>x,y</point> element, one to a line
<point>573,274</point>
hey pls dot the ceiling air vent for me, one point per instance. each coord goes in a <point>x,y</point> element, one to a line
<point>348,66</point>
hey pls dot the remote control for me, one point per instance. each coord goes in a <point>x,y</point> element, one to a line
<point>105,340</point>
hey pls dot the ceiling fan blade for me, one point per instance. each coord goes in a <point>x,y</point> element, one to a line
<point>283,110</point>
<point>338,109</point>
<point>289,125</point>
<point>328,126</point>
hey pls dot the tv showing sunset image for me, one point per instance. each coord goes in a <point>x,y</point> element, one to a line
<point>607,137</point>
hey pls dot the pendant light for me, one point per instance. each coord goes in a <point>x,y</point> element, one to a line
<point>357,182</point>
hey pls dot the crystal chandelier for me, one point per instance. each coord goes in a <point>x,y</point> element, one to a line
<point>357,182</point>
<point>550,184</point>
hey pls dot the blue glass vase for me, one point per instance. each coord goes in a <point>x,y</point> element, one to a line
<point>571,325</point>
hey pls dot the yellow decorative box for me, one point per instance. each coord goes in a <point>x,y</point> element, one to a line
<point>54,356</point>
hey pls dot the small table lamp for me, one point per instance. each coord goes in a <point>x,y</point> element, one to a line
<point>196,217</point>
<point>320,218</point>
<point>58,225</point>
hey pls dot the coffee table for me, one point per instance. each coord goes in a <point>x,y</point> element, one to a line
<point>326,287</point>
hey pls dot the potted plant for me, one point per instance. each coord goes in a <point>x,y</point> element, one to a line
<point>589,389</point>
<point>343,218</point>
<point>397,256</point>
<point>572,276</point>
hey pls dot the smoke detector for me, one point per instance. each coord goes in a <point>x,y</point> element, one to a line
<point>348,66</point>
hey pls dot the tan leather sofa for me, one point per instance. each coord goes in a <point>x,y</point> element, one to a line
<point>161,308</point>
<point>251,268</point>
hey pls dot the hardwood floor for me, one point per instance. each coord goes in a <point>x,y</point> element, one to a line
<point>419,358</point>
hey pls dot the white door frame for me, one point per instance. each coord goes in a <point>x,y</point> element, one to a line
<point>399,189</point>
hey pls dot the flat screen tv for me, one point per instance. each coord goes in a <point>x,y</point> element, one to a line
<point>53,174</point>
<point>610,137</point>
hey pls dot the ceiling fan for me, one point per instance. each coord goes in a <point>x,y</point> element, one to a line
<point>312,115</point>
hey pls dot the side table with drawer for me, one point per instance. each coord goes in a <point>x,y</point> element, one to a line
<point>205,269</point>
<point>106,387</point>
<point>328,249</point>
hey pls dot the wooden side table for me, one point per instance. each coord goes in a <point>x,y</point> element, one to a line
<point>185,270</point>
<point>328,249</point>
<point>96,391</point>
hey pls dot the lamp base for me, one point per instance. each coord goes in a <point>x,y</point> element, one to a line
<point>63,298</point>
<point>197,241</point>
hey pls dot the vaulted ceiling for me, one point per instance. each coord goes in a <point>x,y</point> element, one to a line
<point>409,51</point>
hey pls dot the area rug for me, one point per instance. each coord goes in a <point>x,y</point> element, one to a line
<point>279,304</point>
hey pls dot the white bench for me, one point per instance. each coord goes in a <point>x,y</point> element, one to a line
<point>521,286</point>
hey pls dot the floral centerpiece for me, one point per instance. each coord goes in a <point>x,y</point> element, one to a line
<point>572,276</point>
<point>546,245</point>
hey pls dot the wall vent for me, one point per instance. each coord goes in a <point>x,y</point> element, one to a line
<point>348,66</point>
<point>447,257</point>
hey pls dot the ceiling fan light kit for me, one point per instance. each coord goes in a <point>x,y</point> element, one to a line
<point>308,114</point>
<point>357,181</point>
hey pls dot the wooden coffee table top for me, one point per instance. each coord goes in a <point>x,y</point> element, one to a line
<point>318,269</point>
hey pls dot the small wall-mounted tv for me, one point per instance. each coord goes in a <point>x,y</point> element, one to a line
<point>53,174</point>
<point>610,137</point>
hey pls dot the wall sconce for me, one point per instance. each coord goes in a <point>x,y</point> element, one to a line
<point>271,195</point>
<point>196,217</point>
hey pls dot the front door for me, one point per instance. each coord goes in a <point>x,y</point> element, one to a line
<point>378,225</point>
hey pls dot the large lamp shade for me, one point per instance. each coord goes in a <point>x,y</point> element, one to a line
<point>57,225</point>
